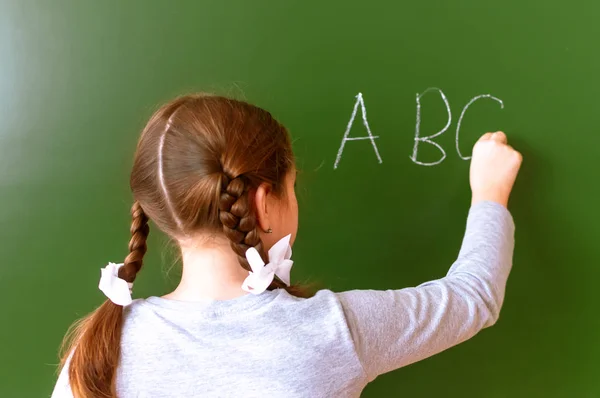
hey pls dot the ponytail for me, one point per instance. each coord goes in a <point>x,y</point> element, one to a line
<point>92,346</point>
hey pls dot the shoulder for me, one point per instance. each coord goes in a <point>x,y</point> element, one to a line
<point>324,301</point>
<point>137,317</point>
<point>324,309</point>
<point>329,301</point>
<point>136,309</point>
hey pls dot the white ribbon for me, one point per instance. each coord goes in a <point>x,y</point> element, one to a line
<point>116,289</point>
<point>279,264</point>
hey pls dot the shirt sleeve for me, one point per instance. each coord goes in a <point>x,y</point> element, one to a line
<point>395,328</point>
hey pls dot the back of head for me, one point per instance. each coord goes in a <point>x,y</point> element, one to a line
<point>198,158</point>
<point>197,161</point>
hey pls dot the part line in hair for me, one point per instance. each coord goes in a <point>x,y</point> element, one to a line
<point>161,177</point>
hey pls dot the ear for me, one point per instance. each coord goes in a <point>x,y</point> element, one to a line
<point>261,202</point>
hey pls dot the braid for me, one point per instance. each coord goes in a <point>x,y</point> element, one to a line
<point>93,345</point>
<point>239,222</point>
<point>137,245</point>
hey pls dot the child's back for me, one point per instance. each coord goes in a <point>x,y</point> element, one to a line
<point>217,176</point>
<point>330,345</point>
<point>267,345</point>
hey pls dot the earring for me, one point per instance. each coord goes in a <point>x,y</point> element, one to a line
<point>269,231</point>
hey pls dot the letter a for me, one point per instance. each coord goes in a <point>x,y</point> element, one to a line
<point>361,102</point>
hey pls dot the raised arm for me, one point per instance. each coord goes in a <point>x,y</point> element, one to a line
<point>394,328</point>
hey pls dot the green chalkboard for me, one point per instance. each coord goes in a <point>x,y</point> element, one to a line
<point>78,80</point>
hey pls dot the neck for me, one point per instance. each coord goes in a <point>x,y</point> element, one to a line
<point>211,270</point>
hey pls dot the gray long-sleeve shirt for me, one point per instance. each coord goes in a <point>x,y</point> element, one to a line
<point>330,345</point>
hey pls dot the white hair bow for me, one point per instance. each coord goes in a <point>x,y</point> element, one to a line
<point>116,289</point>
<point>279,264</point>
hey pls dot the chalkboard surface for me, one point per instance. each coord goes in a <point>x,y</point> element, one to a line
<point>383,210</point>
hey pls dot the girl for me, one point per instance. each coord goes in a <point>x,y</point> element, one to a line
<point>217,175</point>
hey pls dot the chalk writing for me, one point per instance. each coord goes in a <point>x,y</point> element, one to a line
<point>419,139</point>
<point>463,114</point>
<point>359,101</point>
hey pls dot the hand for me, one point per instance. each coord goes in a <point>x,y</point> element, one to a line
<point>494,168</point>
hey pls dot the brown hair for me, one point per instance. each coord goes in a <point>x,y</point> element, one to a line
<point>196,162</point>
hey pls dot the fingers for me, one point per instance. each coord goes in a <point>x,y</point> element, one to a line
<point>486,137</point>
<point>498,136</point>
<point>518,155</point>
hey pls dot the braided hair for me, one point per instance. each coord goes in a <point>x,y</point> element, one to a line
<point>239,221</point>
<point>197,162</point>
